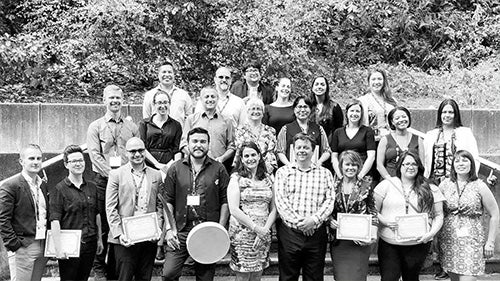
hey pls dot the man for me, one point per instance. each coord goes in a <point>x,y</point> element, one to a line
<point>181,104</point>
<point>229,105</point>
<point>219,128</point>
<point>304,200</point>
<point>251,85</point>
<point>132,190</point>
<point>106,139</point>
<point>195,191</point>
<point>23,217</point>
<point>73,205</point>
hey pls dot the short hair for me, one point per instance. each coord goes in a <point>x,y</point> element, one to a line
<point>198,130</point>
<point>261,166</point>
<point>164,63</point>
<point>252,63</point>
<point>111,88</point>
<point>255,102</point>
<point>207,88</point>
<point>70,149</point>
<point>29,146</point>
<point>306,100</point>
<point>393,111</point>
<point>351,104</point>
<point>353,156</point>
<point>472,176</point>
<point>304,137</point>
<point>160,92</point>
<point>457,120</point>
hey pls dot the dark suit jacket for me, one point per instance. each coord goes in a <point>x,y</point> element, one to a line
<point>240,89</point>
<point>17,213</point>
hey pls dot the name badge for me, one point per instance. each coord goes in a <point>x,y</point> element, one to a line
<point>115,161</point>
<point>193,200</point>
<point>463,232</point>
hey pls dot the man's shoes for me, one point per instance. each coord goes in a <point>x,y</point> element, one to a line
<point>442,275</point>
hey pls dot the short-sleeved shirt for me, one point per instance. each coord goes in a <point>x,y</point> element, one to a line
<point>277,117</point>
<point>75,208</point>
<point>394,204</point>
<point>362,141</point>
<point>162,143</point>
<point>232,108</point>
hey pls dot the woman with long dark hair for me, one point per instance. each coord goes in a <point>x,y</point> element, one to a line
<point>328,113</point>
<point>280,112</point>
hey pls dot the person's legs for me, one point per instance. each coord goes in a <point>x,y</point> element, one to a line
<point>290,246</point>
<point>389,261</point>
<point>174,259</point>
<point>242,276</point>
<point>126,261</point>
<point>204,272</point>
<point>146,259</point>
<point>85,266</point>
<point>68,269</point>
<point>30,262</point>
<point>459,277</point>
<point>413,258</point>
<point>101,270</point>
<point>11,256</point>
<point>256,276</point>
<point>314,256</point>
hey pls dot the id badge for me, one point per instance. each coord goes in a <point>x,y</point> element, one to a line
<point>193,200</point>
<point>463,232</point>
<point>115,161</point>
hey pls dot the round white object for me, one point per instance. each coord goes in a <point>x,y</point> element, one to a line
<point>208,242</point>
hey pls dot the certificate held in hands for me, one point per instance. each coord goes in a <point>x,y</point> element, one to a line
<point>354,227</point>
<point>411,227</point>
<point>70,243</point>
<point>141,228</point>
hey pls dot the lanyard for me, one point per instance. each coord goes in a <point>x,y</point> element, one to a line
<point>36,197</point>
<point>459,193</point>
<point>138,186</point>
<point>224,106</point>
<point>115,134</point>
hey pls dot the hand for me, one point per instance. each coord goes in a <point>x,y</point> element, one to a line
<point>392,225</point>
<point>425,238</point>
<point>60,255</point>
<point>309,232</point>
<point>491,179</point>
<point>257,243</point>
<point>306,224</point>
<point>489,249</point>
<point>261,231</point>
<point>124,241</point>
<point>172,240</point>
<point>334,224</point>
<point>219,159</point>
<point>100,246</point>
<point>362,243</point>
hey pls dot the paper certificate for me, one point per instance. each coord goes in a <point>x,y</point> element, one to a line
<point>354,227</point>
<point>70,243</point>
<point>410,227</point>
<point>141,228</point>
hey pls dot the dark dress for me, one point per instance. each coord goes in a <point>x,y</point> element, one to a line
<point>330,117</point>
<point>393,151</point>
<point>362,141</point>
<point>162,143</point>
<point>277,117</point>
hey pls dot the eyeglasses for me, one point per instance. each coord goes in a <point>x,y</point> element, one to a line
<point>76,161</point>
<point>224,77</point>
<point>408,164</point>
<point>134,151</point>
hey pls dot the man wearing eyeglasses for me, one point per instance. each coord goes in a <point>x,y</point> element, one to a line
<point>181,104</point>
<point>132,190</point>
<point>251,84</point>
<point>229,105</point>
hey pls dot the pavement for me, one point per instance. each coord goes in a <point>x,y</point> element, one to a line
<point>493,276</point>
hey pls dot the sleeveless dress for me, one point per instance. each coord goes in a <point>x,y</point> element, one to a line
<point>393,151</point>
<point>462,254</point>
<point>255,200</point>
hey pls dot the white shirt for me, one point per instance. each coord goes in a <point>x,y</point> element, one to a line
<point>40,205</point>
<point>232,108</point>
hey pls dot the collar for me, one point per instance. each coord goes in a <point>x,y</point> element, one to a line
<point>295,167</point>
<point>69,184</point>
<point>143,169</point>
<point>204,114</point>
<point>150,119</point>
<point>109,118</point>
<point>174,88</point>
<point>37,181</point>
<point>187,161</point>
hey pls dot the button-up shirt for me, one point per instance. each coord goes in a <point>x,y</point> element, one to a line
<point>232,108</point>
<point>220,130</point>
<point>40,205</point>
<point>106,137</point>
<point>181,104</point>
<point>141,191</point>
<point>301,194</point>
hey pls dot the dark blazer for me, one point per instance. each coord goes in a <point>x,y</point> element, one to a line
<point>240,89</point>
<point>17,213</point>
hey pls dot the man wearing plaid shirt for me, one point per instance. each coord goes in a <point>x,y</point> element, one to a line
<point>304,199</point>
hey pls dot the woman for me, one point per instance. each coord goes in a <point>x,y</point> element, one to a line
<point>280,112</point>
<point>253,130</point>
<point>441,143</point>
<point>354,136</point>
<point>250,201</point>
<point>303,107</point>
<point>328,113</point>
<point>462,240</point>
<point>352,195</point>
<point>408,193</point>
<point>399,140</point>
<point>161,135</point>
<point>73,206</point>
<point>377,103</point>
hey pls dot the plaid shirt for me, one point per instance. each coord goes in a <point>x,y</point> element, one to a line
<point>300,194</point>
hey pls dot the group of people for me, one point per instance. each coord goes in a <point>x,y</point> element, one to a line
<point>256,160</point>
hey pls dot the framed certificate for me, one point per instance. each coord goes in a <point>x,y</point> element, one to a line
<point>411,227</point>
<point>141,228</point>
<point>354,227</point>
<point>70,243</point>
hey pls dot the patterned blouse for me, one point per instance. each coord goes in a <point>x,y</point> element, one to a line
<point>265,139</point>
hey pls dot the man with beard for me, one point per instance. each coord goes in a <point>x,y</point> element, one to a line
<point>181,104</point>
<point>304,199</point>
<point>230,106</point>
<point>195,191</point>
<point>219,128</point>
<point>132,190</point>
<point>23,217</point>
<point>106,139</point>
<point>251,85</point>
